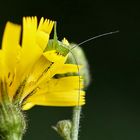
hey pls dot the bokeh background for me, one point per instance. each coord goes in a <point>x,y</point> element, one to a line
<point>112,110</point>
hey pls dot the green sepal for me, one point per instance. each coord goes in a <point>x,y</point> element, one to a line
<point>12,120</point>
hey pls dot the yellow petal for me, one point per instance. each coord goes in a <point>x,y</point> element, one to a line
<point>2,65</point>
<point>53,56</point>
<point>10,44</point>
<point>43,32</point>
<point>68,68</point>
<point>41,66</point>
<point>42,39</point>
<point>43,71</point>
<point>27,106</point>
<point>58,60</point>
<point>67,98</point>
<point>62,84</point>
<point>29,31</point>
<point>36,73</point>
<point>46,25</point>
<point>30,50</point>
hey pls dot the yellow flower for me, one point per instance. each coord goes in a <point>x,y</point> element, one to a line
<point>30,69</point>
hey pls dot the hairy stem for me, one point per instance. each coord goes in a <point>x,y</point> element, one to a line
<point>75,122</point>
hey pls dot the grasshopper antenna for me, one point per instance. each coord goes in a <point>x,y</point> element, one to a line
<point>95,37</point>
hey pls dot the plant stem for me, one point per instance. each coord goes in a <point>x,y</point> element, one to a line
<point>75,122</point>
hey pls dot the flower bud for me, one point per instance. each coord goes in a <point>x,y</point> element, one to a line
<point>63,128</point>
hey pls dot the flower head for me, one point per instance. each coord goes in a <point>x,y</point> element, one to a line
<point>35,72</point>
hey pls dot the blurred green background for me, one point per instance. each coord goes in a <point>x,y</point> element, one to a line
<point>112,110</point>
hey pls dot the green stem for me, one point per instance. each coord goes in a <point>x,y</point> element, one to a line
<point>75,122</point>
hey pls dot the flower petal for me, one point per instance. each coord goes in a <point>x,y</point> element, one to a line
<point>30,50</point>
<point>69,68</point>
<point>62,84</point>
<point>36,73</point>
<point>27,106</point>
<point>66,98</point>
<point>58,60</point>
<point>64,90</point>
<point>53,56</point>
<point>10,44</point>
<point>2,64</point>
<point>43,32</point>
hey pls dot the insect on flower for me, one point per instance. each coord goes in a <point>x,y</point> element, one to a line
<point>36,72</point>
